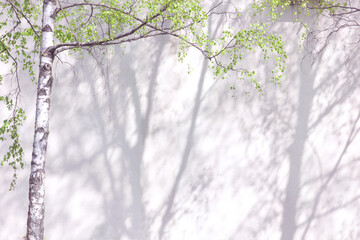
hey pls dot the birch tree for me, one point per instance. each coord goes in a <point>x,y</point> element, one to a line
<point>32,28</point>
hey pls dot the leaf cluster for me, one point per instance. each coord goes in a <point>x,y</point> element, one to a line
<point>9,131</point>
<point>19,43</point>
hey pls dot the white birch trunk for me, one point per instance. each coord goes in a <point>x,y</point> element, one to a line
<point>35,221</point>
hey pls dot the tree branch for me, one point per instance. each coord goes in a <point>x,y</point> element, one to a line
<point>110,40</point>
<point>22,14</point>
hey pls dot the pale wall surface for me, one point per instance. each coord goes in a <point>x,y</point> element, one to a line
<point>140,149</point>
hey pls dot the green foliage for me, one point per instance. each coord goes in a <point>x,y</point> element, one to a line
<point>15,40</point>
<point>19,44</point>
<point>9,132</point>
<point>115,19</point>
<point>246,41</point>
<point>274,9</point>
<point>112,22</point>
<point>227,49</point>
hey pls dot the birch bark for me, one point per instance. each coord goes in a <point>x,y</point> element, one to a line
<point>35,221</point>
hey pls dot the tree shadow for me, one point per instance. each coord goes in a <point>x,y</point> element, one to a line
<point>204,178</point>
<point>105,148</point>
<point>296,148</point>
<point>289,178</point>
<point>308,118</point>
<point>168,214</point>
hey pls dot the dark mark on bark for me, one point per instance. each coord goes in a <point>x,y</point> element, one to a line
<point>42,73</point>
<point>45,136</point>
<point>49,53</point>
<point>53,15</point>
<point>37,177</point>
<point>44,147</point>
<point>49,82</point>
<point>41,130</point>
<point>47,28</point>
<point>42,92</point>
<point>46,67</point>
